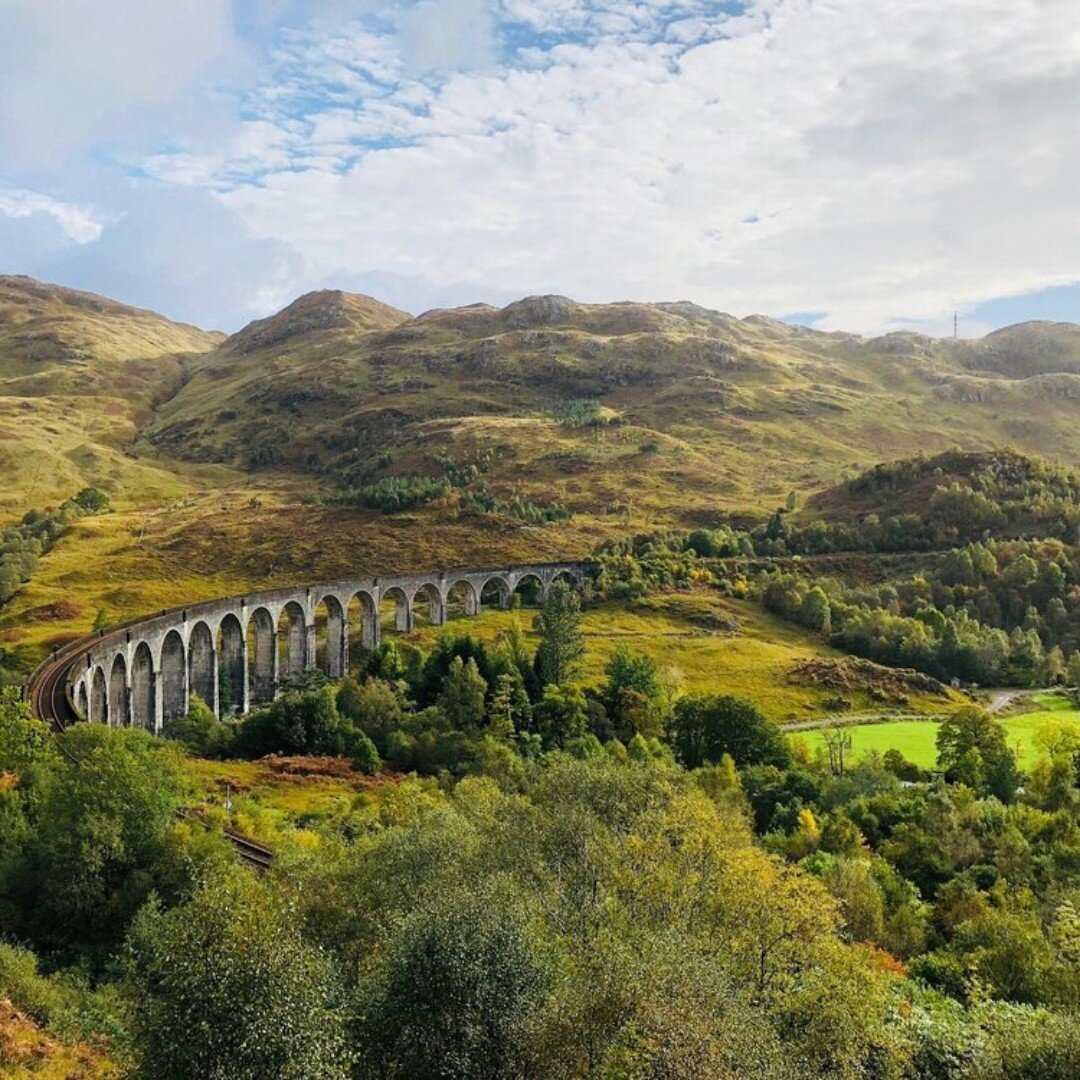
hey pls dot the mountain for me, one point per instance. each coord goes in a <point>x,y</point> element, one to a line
<point>341,433</point>
<point>80,375</point>
<point>55,340</point>
<point>669,409</point>
<point>1026,349</point>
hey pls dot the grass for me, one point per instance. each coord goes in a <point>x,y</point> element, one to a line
<point>264,799</point>
<point>915,739</point>
<point>700,640</point>
<point>27,1050</point>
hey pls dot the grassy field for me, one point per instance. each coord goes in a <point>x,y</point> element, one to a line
<point>288,802</point>
<point>915,739</point>
<point>701,641</point>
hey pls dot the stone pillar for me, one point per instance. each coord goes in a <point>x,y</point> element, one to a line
<point>337,645</point>
<point>245,680</point>
<point>187,683</point>
<point>275,661</point>
<point>370,631</point>
<point>310,648</point>
<point>403,616</point>
<point>215,676</point>
<point>472,599</point>
<point>157,700</point>
<point>126,718</point>
<point>437,611</point>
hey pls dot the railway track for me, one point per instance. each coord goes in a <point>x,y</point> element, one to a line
<point>253,853</point>
<point>46,693</point>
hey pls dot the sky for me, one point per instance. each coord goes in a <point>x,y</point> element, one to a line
<point>864,165</point>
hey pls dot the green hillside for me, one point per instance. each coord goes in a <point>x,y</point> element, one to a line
<point>342,433</point>
<point>80,377</point>
<point>667,410</point>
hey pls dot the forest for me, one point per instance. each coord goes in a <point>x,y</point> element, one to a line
<point>543,881</point>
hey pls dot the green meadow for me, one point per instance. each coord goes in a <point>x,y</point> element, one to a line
<point>915,739</point>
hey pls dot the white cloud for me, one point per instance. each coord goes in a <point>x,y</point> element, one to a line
<point>447,35</point>
<point>874,161</point>
<point>884,163</point>
<point>78,223</point>
<point>80,72</point>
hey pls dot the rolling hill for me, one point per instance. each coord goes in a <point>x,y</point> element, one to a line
<point>236,462</point>
<point>80,376</point>
<point>663,410</point>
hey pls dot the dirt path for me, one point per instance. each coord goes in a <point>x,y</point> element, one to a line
<point>1001,699</point>
<point>850,719</point>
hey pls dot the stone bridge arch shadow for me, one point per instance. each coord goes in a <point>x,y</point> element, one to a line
<point>98,709</point>
<point>331,640</point>
<point>292,641</point>
<point>144,691</point>
<point>82,702</point>
<point>567,577</point>
<point>174,685</point>
<point>427,607</point>
<point>529,591</point>
<point>119,704</point>
<point>262,656</point>
<point>395,611</point>
<point>495,593</point>
<point>232,667</point>
<point>362,618</point>
<point>202,665</point>
<point>462,600</point>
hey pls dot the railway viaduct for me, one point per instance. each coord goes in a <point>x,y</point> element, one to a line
<point>235,652</point>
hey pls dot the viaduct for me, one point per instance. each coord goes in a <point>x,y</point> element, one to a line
<point>235,653</point>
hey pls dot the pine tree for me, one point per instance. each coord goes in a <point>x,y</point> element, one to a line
<point>558,624</point>
<point>463,693</point>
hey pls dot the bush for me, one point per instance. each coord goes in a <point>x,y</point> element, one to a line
<point>704,728</point>
<point>457,990</point>
<point>225,986</point>
<point>395,493</point>
<point>201,732</point>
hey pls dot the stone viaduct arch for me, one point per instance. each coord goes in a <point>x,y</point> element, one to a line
<point>236,652</point>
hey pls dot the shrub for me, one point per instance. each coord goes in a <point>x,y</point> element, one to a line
<point>704,728</point>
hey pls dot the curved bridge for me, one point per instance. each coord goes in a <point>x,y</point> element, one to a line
<point>234,653</point>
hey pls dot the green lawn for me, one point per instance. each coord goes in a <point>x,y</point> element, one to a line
<point>915,739</point>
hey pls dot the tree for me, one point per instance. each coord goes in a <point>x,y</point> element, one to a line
<point>296,723</point>
<point>437,666</point>
<point>103,812</point>
<point>558,625</point>
<point>972,749</point>
<point>225,986</point>
<point>462,695</point>
<point>200,731</point>
<point>24,741</point>
<point>457,990</point>
<point>372,707</point>
<point>91,500</point>
<point>838,742</point>
<point>1053,667</point>
<point>632,696</point>
<point>814,611</point>
<point>510,710</point>
<point>560,715</point>
<point>705,727</point>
